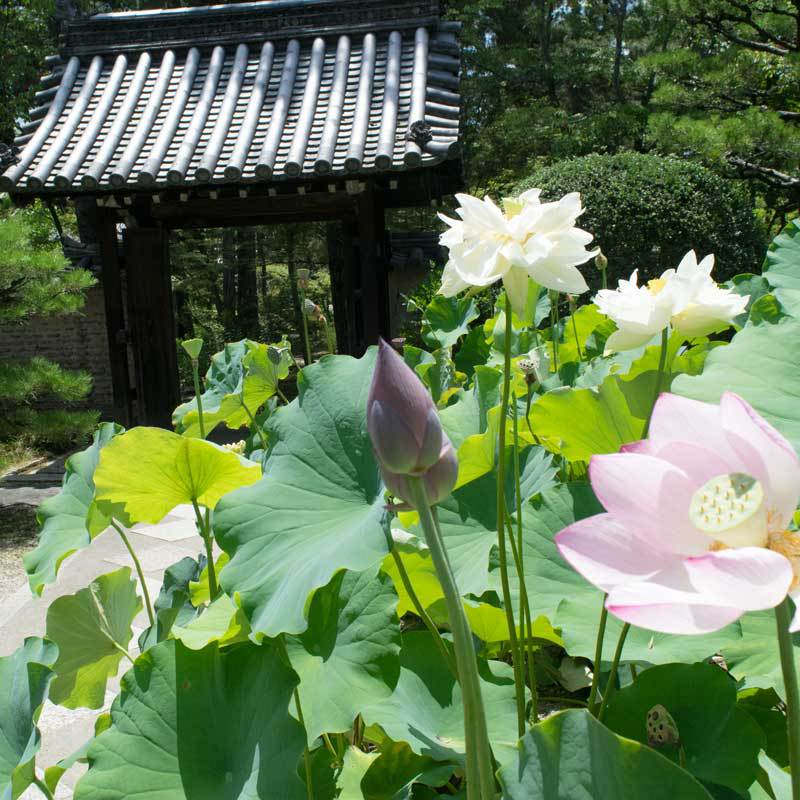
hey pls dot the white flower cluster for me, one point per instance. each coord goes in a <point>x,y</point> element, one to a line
<point>526,239</point>
<point>687,298</point>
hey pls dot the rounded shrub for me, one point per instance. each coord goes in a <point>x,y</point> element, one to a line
<point>646,211</point>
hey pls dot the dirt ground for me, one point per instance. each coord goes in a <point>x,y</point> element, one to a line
<point>18,531</point>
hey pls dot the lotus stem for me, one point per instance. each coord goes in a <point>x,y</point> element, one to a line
<point>783,618</point>
<point>196,378</point>
<point>204,527</point>
<point>256,426</point>
<point>554,327</point>
<point>516,655</point>
<point>306,342</point>
<point>598,655</point>
<point>572,307</point>
<point>423,614</point>
<point>139,572</point>
<point>42,787</point>
<point>479,769</point>
<point>612,676</point>
<point>662,360</point>
<point>525,605</point>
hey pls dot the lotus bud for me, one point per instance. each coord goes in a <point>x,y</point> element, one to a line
<point>406,433</point>
<point>309,307</point>
<point>601,262</point>
<point>303,276</point>
<point>330,308</point>
<point>275,354</point>
<point>192,347</point>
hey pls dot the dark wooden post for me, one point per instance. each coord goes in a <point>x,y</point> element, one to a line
<point>342,263</point>
<point>115,316</point>
<point>372,294</point>
<point>152,324</point>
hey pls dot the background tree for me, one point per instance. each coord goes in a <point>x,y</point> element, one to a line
<point>36,280</point>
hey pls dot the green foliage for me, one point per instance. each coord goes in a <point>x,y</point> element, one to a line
<point>572,755</point>
<point>69,520</point>
<point>35,281</point>
<point>720,740</point>
<point>90,653</point>
<point>25,675</point>
<point>646,212</point>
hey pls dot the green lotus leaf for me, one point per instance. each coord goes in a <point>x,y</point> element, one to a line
<point>200,725</point>
<point>248,377</point>
<point>571,755</point>
<point>770,384</point>
<point>25,676</point>
<point>584,322</point>
<point>765,707</point>
<point>348,657</point>
<point>173,606</point>
<point>578,616</point>
<point>354,767</point>
<point>446,320</point>
<point>221,622</point>
<point>393,774</point>
<point>64,519</point>
<point>144,473</point>
<point>92,629</point>
<point>319,507</point>
<point>225,375</point>
<point>720,741</point>
<point>782,264</point>
<point>425,709</point>
<point>753,658</point>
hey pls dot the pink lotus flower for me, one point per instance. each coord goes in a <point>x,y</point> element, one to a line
<point>696,532</point>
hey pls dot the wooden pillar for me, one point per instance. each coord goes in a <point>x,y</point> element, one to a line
<point>372,292</point>
<point>115,316</point>
<point>152,324</point>
<point>342,262</point>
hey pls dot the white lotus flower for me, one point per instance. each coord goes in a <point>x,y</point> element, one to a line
<point>527,240</point>
<point>640,312</point>
<point>701,306</point>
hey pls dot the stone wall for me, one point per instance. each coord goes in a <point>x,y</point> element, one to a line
<point>75,341</point>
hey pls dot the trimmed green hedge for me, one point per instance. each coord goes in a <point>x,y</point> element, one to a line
<point>646,211</point>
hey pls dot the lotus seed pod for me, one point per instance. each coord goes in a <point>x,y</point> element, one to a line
<point>309,307</point>
<point>192,347</point>
<point>402,419</point>
<point>601,262</point>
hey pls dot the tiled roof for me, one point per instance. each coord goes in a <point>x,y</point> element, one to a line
<point>258,91</point>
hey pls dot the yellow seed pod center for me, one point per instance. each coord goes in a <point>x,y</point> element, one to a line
<point>730,509</point>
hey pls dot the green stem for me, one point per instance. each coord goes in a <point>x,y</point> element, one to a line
<point>612,676</point>
<point>256,426</point>
<point>42,787</point>
<point>306,342</point>
<point>423,614</point>
<point>205,532</point>
<point>783,618</point>
<point>554,328</point>
<point>572,306</point>
<point>598,656</point>
<point>479,769</point>
<point>306,752</point>
<point>329,338</point>
<point>196,377</point>
<point>137,564</point>
<point>516,658</point>
<point>526,623</point>
<point>525,608</point>
<point>662,360</point>
<point>329,745</point>
<point>281,395</point>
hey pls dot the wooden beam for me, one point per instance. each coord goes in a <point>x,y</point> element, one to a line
<point>115,316</point>
<point>152,324</point>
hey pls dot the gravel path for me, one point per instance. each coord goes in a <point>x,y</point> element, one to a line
<point>18,532</point>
